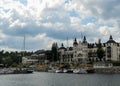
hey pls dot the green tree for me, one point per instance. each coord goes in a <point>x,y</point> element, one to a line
<point>100,51</point>
<point>54,52</point>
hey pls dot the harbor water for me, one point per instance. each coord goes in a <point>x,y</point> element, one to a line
<point>59,79</point>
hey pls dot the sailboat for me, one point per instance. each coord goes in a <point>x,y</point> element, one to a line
<point>21,70</point>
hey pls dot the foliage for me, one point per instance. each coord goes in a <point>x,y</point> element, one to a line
<point>11,58</point>
<point>116,63</point>
<point>100,51</point>
<point>54,52</point>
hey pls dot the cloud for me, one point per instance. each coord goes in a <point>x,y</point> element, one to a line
<point>47,21</point>
<point>106,9</point>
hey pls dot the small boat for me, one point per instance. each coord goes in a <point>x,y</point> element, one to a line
<point>23,71</point>
<point>51,71</point>
<point>59,71</point>
<point>80,71</point>
<point>30,70</point>
<point>69,71</point>
<point>90,71</point>
<point>65,70</point>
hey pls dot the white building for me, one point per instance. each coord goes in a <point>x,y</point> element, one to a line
<point>39,57</point>
<point>102,65</point>
<point>88,51</point>
<point>30,59</point>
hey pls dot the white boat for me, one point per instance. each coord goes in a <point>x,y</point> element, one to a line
<point>80,71</point>
<point>59,71</point>
<point>52,70</point>
<point>68,70</point>
<point>65,70</point>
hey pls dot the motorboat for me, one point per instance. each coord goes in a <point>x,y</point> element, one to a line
<point>80,71</point>
<point>59,71</point>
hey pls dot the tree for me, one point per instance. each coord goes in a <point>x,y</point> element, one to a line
<point>100,51</point>
<point>54,52</point>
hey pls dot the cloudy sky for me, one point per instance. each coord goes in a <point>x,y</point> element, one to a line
<point>46,21</point>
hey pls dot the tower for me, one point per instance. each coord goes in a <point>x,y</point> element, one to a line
<point>84,40</point>
<point>75,42</point>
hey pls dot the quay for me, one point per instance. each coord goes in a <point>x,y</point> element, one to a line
<point>113,70</point>
<point>16,71</point>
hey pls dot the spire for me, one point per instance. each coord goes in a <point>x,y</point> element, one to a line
<point>110,37</point>
<point>75,42</point>
<point>62,45</point>
<point>111,40</point>
<point>84,40</point>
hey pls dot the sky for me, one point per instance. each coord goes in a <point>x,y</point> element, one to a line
<point>44,22</point>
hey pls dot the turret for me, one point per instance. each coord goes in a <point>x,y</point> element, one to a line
<point>62,47</point>
<point>84,40</point>
<point>111,40</point>
<point>110,37</point>
<point>75,42</point>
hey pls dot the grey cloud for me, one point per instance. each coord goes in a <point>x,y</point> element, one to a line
<point>106,9</point>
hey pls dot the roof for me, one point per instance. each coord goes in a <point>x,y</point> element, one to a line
<point>62,47</point>
<point>110,40</point>
<point>70,48</point>
<point>75,42</point>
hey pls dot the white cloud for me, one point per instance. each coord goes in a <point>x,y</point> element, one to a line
<point>17,23</point>
<point>40,36</point>
<point>47,21</point>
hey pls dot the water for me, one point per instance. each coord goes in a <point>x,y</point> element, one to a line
<point>54,79</point>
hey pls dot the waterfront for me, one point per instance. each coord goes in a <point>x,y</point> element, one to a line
<point>57,79</point>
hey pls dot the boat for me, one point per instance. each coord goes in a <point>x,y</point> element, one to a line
<point>65,70</point>
<point>30,70</point>
<point>51,70</point>
<point>59,71</point>
<point>80,71</point>
<point>90,71</point>
<point>68,71</point>
<point>23,71</point>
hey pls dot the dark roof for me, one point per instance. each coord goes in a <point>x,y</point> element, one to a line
<point>75,42</point>
<point>70,48</point>
<point>62,47</point>
<point>84,40</point>
<point>110,40</point>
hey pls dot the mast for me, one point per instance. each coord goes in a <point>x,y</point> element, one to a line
<point>67,43</point>
<point>67,48</point>
<point>81,36</point>
<point>24,46</point>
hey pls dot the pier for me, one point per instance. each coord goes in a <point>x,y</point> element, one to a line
<point>113,70</point>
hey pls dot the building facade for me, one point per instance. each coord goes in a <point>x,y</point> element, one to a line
<point>84,51</point>
<point>39,57</point>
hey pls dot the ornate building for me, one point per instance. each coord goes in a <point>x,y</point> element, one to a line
<point>83,50</point>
